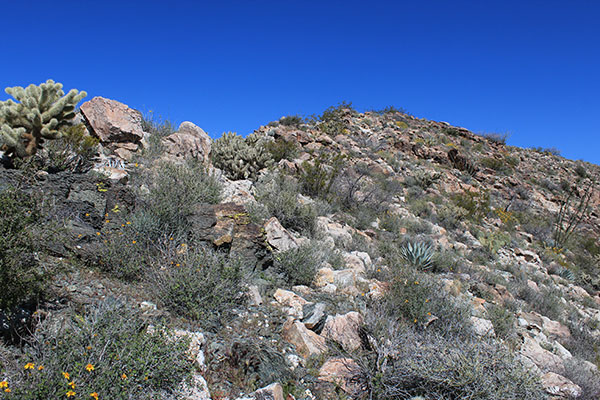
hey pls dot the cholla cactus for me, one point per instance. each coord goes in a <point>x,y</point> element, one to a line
<point>240,158</point>
<point>417,254</point>
<point>42,112</point>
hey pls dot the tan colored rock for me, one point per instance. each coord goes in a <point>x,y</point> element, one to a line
<point>278,237</point>
<point>344,330</point>
<point>323,277</point>
<point>542,358</point>
<point>483,327</point>
<point>112,121</point>
<point>197,389</point>
<point>190,141</point>
<point>307,342</point>
<point>340,372</point>
<point>292,300</point>
<point>560,386</point>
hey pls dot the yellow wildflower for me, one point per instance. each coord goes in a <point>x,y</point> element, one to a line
<point>71,393</point>
<point>128,222</point>
<point>72,384</point>
<point>41,367</point>
<point>7,390</point>
<point>123,376</point>
<point>3,384</point>
<point>94,395</point>
<point>134,242</point>
<point>415,321</point>
<point>98,233</point>
<point>89,367</point>
<point>29,365</point>
<point>66,375</point>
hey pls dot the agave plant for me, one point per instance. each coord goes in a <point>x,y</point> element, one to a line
<point>417,254</point>
<point>566,273</point>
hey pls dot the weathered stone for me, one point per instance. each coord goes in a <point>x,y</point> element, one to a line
<point>278,237</point>
<point>560,386</point>
<point>341,372</point>
<point>189,141</point>
<point>542,358</point>
<point>292,300</point>
<point>112,121</point>
<point>344,330</point>
<point>314,316</point>
<point>306,341</point>
<point>228,226</point>
<point>197,389</point>
<point>483,327</point>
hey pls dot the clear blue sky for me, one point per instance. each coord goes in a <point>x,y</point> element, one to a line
<point>531,68</point>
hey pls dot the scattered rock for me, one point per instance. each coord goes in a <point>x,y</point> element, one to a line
<point>307,342</point>
<point>341,372</point>
<point>344,329</point>
<point>278,237</point>
<point>189,141</point>
<point>556,384</point>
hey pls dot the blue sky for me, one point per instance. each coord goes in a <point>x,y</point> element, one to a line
<point>530,68</point>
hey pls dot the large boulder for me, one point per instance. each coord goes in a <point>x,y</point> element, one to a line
<point>307,342</point>
<point>189,141</point>
<point>118,127</point>
<point>344,329</point>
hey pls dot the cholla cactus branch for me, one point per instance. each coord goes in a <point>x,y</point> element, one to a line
<point>41,113</point>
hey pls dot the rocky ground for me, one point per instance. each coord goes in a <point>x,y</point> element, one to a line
<point>380,256</point>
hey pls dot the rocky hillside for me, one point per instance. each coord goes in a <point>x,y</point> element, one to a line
<point>350,255</point>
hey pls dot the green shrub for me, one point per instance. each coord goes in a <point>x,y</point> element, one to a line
<point>498,138</point>
<point>202,285</point>
<point>282,149</point>
<point>157,129</point>
<point>503,321</point>
<point>418,299</point>
<point>333,120</point>
<point>476,204</point>
<point>23,277</point>
<point>240,158</point>
<point>299,266</point>
<point>106,351</point>
<point>277,196</point>
<point>292,120</point>
<point>174,191</point>
<point>316,177</point>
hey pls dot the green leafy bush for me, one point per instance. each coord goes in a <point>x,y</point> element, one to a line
<point>333,121</point>
<point>278,196</point>
<point>106,351</point>
<point>200,284</point>
<point>174,191</point>
<point>318,176</point>
<point>299,266</point>
<point>240,158</point>
<point>282,149</point>
<point>292,120</point>
<point>476,204</point>
<point>157,129</point>
<point>23,277</point>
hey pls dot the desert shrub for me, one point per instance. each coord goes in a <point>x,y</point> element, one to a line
<point>23,277</point>
<point>499,138</point>
<point>503,321</point>
<point>282,149</point>
<point>497,164</point>
<point>421,301</point>
<point>547,150</point>
<point>72,151</point>
<point>174,191</point>
<point>333,120</point>
<point>106,351</point>
<point>423,179</point>
<point>299,265</point>
<point>200,284</point>
<point>157,129</point>
<point>278,196</point>
<point>494,240</point>
<point>406,362</point>
<point>292,120</point>
<point>476,204</point>
<point>585,377</point>
<point>317,177</point>
<point>240,158</point>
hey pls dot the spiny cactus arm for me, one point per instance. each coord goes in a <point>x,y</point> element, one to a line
<point>12,138</point>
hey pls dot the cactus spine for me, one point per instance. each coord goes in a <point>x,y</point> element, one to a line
<point>41,113</point>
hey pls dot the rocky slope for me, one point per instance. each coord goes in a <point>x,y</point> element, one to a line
<point>377,255</point>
